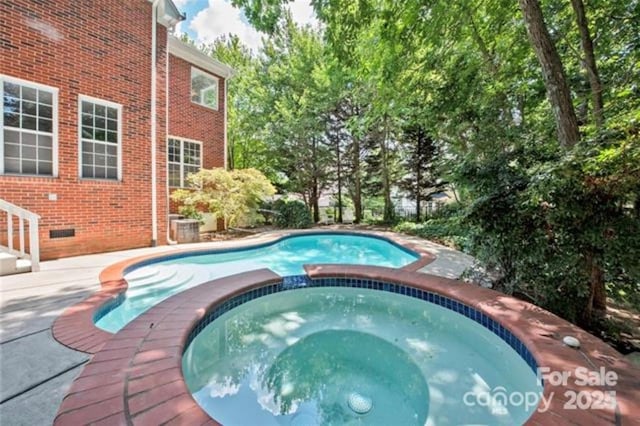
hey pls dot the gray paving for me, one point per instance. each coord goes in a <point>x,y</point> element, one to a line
<point>32,360</point>
<point>449,263</point>
<point>36,371</point>
<point>40,405</point>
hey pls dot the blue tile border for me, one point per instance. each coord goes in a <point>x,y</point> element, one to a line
<point>303,281</point>
<point>108,306</point>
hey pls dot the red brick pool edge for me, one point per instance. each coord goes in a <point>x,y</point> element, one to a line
<point>136,377</point>
<point>75,327</point>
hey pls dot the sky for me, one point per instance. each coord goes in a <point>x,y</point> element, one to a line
<point>209,19</point>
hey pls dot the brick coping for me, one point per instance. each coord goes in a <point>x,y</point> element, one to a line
<point>75,327</point>
<point>136,378</point>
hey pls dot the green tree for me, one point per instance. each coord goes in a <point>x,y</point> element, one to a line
<point>246,140</point>
<point>419,159</point>
<point>514,93</point>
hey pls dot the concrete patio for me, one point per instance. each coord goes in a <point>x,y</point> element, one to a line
<point>36,371</point>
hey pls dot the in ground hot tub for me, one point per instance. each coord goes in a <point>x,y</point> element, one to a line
<point>351,351</point>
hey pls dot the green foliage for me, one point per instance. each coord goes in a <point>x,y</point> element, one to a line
<point>265,15</point>
<point>311,103</point>
<point>446,226</point>
<point>190,212</point>
<point>247,144</point>
<point>231,195</point>
<point>543,218</point>
<point>292,214</point>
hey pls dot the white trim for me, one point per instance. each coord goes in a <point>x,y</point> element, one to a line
<point>184,139</point>
<point>99,101</point>
<point>109,104</point>
<point>224,126</point>
<point>154,122</point>
<point>23,82</point>
<point>54,130</point>
<point>181,163</point>
<point>166,143</point>
<point>169,15</point>
<point>208,75</point>
<point>195,57</point>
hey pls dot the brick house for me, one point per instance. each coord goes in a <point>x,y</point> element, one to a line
<point>103,113</point>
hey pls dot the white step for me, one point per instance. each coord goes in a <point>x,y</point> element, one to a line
<point>177,279</point>
<point>161,275</point>
<point>23,265</point>
<point>10,264</point>
<point>141,273</point>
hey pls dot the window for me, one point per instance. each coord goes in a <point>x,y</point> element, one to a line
<point>184,157</point>
<point>100,145</point>
<point>28,125</point>
<point>204,88</point>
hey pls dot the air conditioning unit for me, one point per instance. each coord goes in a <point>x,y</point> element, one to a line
<point>185,231</point>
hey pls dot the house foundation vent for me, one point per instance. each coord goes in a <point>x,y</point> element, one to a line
<point>62,233</point>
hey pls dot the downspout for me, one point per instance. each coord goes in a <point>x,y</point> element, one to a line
<point>154,123</point>
<point>226,106</point>
<point>166,91</point>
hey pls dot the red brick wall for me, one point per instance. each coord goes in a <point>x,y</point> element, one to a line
<point>192,121</point>
<point>99,48</point>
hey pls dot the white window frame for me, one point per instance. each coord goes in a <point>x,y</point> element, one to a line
<point>109,104</point>
<point>182,141</point>
<point>199,71</point>
<point>54,118</point>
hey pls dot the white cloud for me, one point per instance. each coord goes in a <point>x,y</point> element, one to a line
<point>220,18</point>
<point>302,12</point>
<point>180,4</point>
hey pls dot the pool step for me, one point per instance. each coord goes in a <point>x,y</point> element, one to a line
<point>178,278</point>
<point>142,273</point>
<point>200,275</point>
<point>162,274</point>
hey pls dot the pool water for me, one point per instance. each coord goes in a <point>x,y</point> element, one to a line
<point>296,358</point>
<point>150,284</point>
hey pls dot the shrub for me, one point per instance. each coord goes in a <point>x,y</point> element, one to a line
<point>190,212</point>
<point>231,195</point>
<point>292,214</point>
<point>558,225</point>
<point>447,227</point>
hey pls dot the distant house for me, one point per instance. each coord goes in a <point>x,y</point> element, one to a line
<point>405,206</point>
<point>103,113</point>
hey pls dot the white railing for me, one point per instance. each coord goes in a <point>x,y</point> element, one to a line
<point>34,242</point>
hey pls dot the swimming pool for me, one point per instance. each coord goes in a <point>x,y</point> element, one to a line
<point>159,340</point>
<point>151,283</point>
<point>335,356</point>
